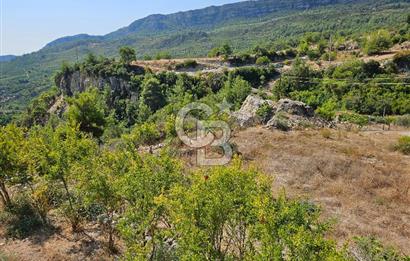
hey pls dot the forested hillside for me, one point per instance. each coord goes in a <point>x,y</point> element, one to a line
<point>194,33</point>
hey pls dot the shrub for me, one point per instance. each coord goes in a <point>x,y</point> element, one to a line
<point>88,111</point>
<point>265,112</point>
<point>377,42</point>
<point>145,134</point>
<point>403,145</point>
<point>235,91</point>
<point>313,54</point>
<point>354,118</point>
<point>372,249</point>
<point>328,110</point>
<point>281,122</point>
<point>263,60</point>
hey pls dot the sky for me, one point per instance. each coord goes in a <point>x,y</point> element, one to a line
<point>28,25</point>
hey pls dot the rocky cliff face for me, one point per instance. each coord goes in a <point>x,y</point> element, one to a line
<point>78,82</point>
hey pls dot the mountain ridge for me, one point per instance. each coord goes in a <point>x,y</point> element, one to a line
<point>7,58</point>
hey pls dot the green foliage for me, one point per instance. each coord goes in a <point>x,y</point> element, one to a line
<point>362,87</point>
<point>329,56</point>
<point>99,183</point>
<point>145,134</point>
<point>403,120</point>
<point>265,112</point>
<point>377,42</point>
<point>152,95</point>
<point>146,179</point>
<point>372,249</point>
<point>127,55</point>
<point>295,80</point>
<point>235,91</point>
<point>256,76</point>
<point>57,155</point>
<point>37,112</point>
<point>163,55</point>
<point>354,118</point>
<point>263,60</point>
<point>12,145</point>
<point>87,110</point>
<point>224,50</point>
<point>403,145</point>
<point>230,213</point>
<point>328,109</point>
<point>281,122</point>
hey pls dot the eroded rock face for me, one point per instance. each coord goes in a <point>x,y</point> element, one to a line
<point>247,115</point>
<point>78,82</point>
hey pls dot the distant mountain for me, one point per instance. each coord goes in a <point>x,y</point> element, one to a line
<point>7,58</point>
<point>210,17</point>
<point>194,33</point>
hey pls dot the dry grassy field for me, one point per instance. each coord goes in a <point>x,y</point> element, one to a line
<point>357,179</point>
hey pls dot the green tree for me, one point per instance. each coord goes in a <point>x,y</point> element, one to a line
<point>87,110</point>
<point>263,60</point>
<point>148,178</point>
<point>98,182</point>
<point>59,155</point>
<point>127,55</point>
<point>229,213</point>
<point>235,91</point>
<point>226,50</point>
<point>144,134</point>
<point>12,145</point>
<point>152,95</point>
<point>377,42</point>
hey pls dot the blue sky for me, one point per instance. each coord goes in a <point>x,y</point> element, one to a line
<point>28,25</point>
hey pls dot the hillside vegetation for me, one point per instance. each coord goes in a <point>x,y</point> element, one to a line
<point>195,33</point>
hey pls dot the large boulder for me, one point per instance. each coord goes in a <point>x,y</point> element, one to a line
<point>286,114</point>
<point>294,108</point>
<point>247,115</point>
<point>291,114</point>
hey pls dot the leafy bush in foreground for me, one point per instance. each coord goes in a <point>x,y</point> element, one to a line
<point>230,213</point>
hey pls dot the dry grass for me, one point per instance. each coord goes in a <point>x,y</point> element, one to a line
<point>354,176</point>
